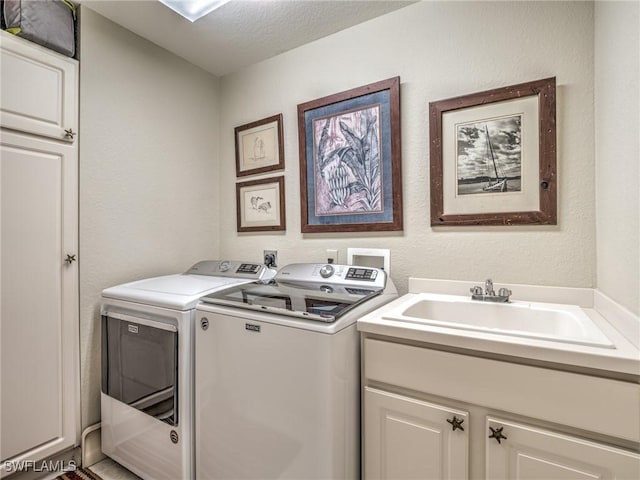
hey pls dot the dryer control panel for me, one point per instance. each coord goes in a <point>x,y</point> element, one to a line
<point>231,268</point>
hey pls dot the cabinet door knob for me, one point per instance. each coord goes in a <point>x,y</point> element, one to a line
<point>497,434</point>
<point>456,423</point>
<point>69,134</point>
<point>70,258</point>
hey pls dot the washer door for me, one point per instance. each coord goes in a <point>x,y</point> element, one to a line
<point>140,364</point>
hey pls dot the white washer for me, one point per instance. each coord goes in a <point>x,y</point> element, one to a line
<point>147,366</point>
<point>278,374</point>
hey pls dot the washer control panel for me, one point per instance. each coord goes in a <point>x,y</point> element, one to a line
<point>358,273</point>
<point>332,274</point>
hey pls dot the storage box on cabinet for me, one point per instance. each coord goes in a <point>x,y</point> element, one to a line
<point>50,23</point>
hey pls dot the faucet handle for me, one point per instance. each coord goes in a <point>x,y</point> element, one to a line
<point>476,290</point>
<point>504,292</point>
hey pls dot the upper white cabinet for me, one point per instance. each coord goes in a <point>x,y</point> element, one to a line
<point>39,380</point>
<point>39,90</point>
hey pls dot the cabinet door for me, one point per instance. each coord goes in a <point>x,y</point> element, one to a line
<point>39,297</point>
<point>38,89</point>
<point>534,453</point>
<point>406,438</point>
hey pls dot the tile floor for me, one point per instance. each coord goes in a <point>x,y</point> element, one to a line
<point>107,469</point>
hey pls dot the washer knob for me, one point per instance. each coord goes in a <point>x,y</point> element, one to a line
<point>224,266</point>
<point>326,271</point>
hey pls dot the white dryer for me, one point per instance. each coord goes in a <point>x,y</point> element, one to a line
<point>278,374</point>
<point>148,366</point>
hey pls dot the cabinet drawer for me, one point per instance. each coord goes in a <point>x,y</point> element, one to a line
<point>38,89</point>
<point>605,406</point>
<point>530,452</point>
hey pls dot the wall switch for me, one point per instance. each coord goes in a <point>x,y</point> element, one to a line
<point>270,258</point>
<point>332,255</point>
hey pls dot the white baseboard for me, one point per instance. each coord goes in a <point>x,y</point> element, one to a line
<point>92,445</point>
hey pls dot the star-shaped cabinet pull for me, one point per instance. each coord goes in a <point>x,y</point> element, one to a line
<point>497,434</point>
<point>456,423</point>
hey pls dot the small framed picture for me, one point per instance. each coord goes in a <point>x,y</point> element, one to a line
<point>493,157</point>
<point>260,205</point>
<point>350,160</point>
<point>259,146</point>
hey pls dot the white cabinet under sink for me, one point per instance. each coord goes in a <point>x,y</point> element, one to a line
<point>530,452</point>
<point>520,421</point>
<point>411,438</point>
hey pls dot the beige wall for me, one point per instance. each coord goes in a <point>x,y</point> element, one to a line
<point>157,166</point>
<point>617,107</point>
<point>439,50</point>
<point>148,172</point>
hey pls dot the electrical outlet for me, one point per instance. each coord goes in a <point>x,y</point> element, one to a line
<point>270,258</point>
<point>332,255</point>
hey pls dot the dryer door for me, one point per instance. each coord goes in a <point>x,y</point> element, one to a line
<point>140,364</point>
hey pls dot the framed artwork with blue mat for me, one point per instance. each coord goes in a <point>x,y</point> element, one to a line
<point>350,160</point>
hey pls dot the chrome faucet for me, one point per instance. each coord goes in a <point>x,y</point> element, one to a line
<point>489,294</point>
<point>488,287</point>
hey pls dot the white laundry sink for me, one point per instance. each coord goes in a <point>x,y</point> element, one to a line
<point>555,322</point>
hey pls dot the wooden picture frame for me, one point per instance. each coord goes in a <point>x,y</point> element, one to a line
<point>260,205</point>
<point>514,129</point>
<point>350,160</point>
<point>259,146</point>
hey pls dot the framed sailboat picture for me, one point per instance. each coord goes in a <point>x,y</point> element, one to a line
<point>493,157</point>
<point>259,146</point>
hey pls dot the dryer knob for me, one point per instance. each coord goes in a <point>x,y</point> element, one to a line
<point>326,271</point>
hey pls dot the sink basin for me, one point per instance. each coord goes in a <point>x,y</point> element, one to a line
<point>547,321</point>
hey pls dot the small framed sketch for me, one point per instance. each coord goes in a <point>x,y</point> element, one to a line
<point>350,160</point>
<point>493,157</point>
<point>260,205</point>
<point>259,146</point>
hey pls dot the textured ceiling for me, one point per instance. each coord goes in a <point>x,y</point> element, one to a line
<point>241,32</point>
